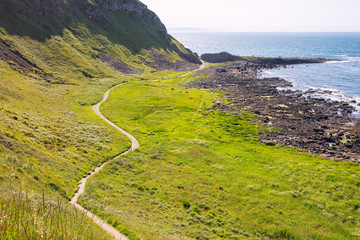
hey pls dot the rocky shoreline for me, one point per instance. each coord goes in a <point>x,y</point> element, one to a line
<point>315,125</point>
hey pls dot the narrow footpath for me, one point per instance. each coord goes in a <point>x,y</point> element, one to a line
<point>134,145</point>
<point>81,187</point>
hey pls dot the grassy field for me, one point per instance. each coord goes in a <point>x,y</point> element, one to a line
<point>202,174</point>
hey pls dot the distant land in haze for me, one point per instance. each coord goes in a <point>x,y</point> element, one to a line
<point>260,15</point>
<point>175,30</point>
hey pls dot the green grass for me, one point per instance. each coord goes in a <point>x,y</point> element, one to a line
<point>48,141</point>
<point>201,174</point>
<point>22,216</point>
<point>46,136</point>
<point>48,130</point>
<point>49,135</point>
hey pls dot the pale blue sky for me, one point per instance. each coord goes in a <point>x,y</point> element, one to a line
<point>259,15</point>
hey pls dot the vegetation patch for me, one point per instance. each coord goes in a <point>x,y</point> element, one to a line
<point>202,174</point>
<point>25,216</point>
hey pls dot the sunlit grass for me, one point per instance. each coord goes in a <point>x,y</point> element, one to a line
<point>201,174</point>
<point>50,137</point>
<point>23,217</point>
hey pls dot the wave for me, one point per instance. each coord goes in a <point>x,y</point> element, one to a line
<point>334,95</point>
<point>345,59</point>
<point>330,94</point>
<point>333,82</point>
<point>319,92</point>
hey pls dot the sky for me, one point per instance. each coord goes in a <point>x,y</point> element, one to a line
<point>259,15</point>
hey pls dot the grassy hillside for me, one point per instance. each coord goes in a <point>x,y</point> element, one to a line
<point>78,39</point>
<point>57,59</point>
<point>201,174</point>
<point>47,143</point>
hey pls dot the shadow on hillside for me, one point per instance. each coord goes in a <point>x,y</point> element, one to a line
<point>120,28</point>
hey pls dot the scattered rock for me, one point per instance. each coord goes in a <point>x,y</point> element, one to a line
<point>315,125</point>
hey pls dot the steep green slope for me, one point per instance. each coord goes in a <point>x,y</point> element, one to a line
<point>74,38</point>
<point>57,58</point>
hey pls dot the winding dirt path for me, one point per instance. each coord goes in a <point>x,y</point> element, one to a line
<point>134,145</point>
<point>81,187</point>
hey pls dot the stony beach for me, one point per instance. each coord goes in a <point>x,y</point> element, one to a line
<point>312,124</point>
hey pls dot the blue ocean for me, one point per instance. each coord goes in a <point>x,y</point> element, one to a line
<point>336,80</point>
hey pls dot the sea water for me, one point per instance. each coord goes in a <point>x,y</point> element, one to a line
<point>336,80</point>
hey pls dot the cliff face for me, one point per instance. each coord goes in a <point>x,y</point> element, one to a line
<point>94,10</point>
<point>130,6</point>
<point>40,8</point>
<point>126,22</point>
<point>97,10</point>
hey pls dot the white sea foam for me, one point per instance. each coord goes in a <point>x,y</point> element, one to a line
<point>339,61</point>
<point>354,59</point>
<point>344,59</point>
<point>329,93</point>
<point>335,95</point>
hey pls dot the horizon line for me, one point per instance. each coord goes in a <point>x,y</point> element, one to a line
<point>260,31</point>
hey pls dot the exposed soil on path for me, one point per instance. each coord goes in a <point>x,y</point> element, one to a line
<point>82,184</point>
<point>134,145</point>
<point>313,124</point>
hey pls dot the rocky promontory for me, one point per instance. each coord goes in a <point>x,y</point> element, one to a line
<point>227,57</point>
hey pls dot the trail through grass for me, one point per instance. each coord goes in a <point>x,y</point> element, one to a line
<point>201,174</point>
